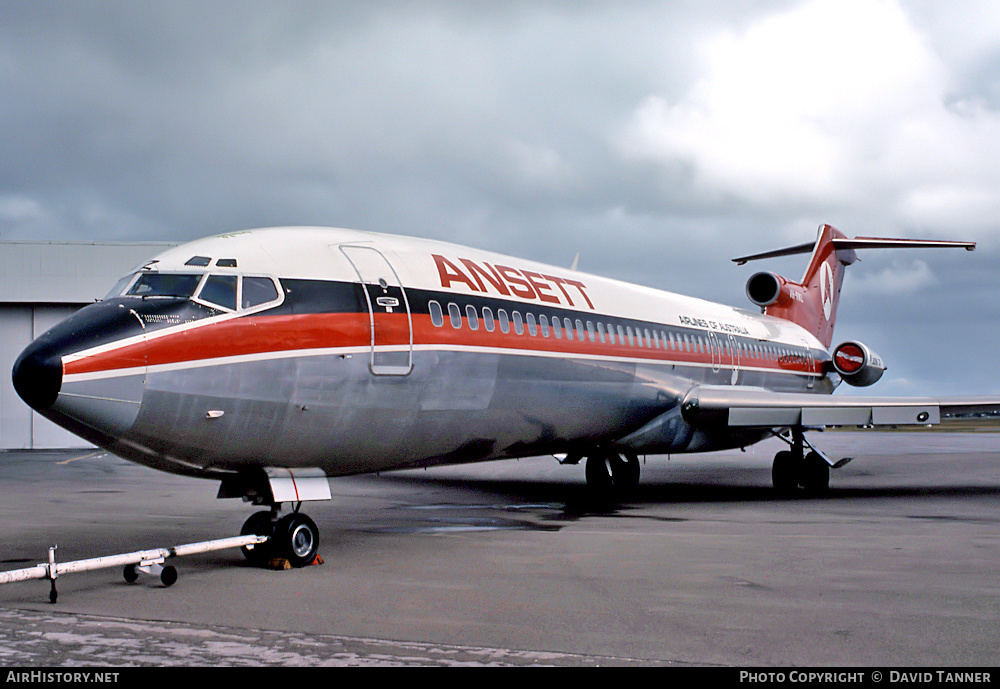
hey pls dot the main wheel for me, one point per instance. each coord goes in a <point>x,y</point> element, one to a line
<point>296,538</point>
<point>815,474</point>
<point>599,478</point>
<point>609,474</point>
<point>785,472</point>
<point>625,472</point>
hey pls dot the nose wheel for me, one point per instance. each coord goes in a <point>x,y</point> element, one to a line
<point>294,537</point>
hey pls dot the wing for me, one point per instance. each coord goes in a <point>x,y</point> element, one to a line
<point>748,407</point>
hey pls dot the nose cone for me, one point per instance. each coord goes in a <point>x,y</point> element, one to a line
<point>37,375</point>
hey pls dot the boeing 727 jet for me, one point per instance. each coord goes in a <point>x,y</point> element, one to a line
<point>273,359</point>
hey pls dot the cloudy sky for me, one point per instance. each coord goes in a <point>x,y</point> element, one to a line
<point>655,139</point>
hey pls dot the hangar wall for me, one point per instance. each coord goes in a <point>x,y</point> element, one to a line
<point>42,283</point>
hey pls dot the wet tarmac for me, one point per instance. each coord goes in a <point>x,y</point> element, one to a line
<point>510,563</point>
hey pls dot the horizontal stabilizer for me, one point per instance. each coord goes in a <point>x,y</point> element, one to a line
<point>787,251</point>
<point>845,243</point>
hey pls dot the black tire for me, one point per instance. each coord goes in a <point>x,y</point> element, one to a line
<point>296,538</point>
<point>130,574</point>
<point>625,472</point>
<point>259,524</point>
<point>168,576</point>
<point>785,473</point>
<point>815,475</point>
<point>600,481</point>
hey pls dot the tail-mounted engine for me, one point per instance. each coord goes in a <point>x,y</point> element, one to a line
<point>857,364</point>
<point>763,289</point>
<point>767,289</point>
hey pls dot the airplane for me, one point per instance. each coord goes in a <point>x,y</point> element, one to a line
<point>274,359</point>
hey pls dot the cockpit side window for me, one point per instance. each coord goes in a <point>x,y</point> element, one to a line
<point>257,291</point>
<point>120,286</point>
<point>220,290</point>
<point>165,285</point>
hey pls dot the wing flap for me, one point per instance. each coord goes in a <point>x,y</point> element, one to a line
<point>747,407</point>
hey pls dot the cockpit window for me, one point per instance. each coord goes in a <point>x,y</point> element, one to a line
<point>165,285</point>
<point>257,291</point>
<point>229,292</point>
<point>119,286</point>
<point>201,261</point>
<point>221,290</point>
<point>226,263</point>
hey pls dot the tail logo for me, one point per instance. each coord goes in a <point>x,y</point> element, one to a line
<point>826,289</point>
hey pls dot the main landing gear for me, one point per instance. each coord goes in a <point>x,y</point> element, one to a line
<point>794,468</point>
<point>293,537</point>
<point>611,474</point>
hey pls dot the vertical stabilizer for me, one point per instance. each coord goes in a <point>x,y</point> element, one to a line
<point>812,303</point>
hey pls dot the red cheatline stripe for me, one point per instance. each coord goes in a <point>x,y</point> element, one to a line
<point>274,334</point>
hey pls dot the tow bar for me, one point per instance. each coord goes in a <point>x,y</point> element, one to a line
<point>140,562</point>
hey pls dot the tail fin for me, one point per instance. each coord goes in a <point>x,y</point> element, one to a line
<point>812,303</point>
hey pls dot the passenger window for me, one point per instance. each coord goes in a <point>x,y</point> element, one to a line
<point>568,324</point>
<point>437,317</point>
<point>544,322</point>
<point>556,328</point>
<point>621,335</point>
<point>488,319</point>
<point>220,290</point>
<point>532,328</point>
<point>518,322</point>
<point>600,332</point>
<point>504,321</point>
<point>649,339</point>
<point>631,336</point>
<point>455,314</point>
<point>472,317</point>
<point>257,291</point>
<point>611,334</point>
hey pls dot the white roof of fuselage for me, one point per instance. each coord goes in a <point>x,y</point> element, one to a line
<point>313,253</point>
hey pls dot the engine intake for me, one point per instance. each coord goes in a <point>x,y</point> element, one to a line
<point>857,364</point>
<point>764,289</point>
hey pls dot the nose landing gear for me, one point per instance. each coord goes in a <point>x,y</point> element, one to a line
<point>293,537</point>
